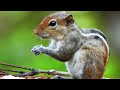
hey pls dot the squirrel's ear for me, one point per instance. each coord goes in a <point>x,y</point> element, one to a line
<point>69,19</point>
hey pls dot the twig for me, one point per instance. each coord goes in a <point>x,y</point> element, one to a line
<point>3,73</point>
<point>17,66</point>
<point>28,73</point>
<point>53,72</point>
<point>1,69</point>
<point>21,72</point>
<point>34,72</point>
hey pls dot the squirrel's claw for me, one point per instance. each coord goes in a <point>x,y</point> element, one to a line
<point>36,50</point>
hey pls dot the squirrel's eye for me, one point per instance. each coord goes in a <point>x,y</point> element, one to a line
<point>52,23</point>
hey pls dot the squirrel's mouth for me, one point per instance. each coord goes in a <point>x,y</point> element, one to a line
<point>44,37</point>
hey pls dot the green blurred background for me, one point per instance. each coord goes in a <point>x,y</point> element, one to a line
<point>17,39</point>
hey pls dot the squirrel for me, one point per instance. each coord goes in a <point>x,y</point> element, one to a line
<point>84,51</point>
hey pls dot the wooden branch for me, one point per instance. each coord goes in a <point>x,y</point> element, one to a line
<point>3,73</point>
<point>50,72</point>
<point>1,63</point>
<point>1,69</point>
<point>33,71</point>
<point>53,72</point>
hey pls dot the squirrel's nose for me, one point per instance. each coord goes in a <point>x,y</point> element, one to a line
<point>35,32</point>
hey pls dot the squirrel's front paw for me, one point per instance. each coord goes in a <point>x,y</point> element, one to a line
<point>36,49</point>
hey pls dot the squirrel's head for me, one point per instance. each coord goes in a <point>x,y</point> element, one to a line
<point>54,26</point>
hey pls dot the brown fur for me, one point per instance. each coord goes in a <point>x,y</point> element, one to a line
<point>94,61</point>
<point>86,57</point>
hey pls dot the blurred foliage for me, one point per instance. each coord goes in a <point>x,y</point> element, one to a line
<point>17,39</point>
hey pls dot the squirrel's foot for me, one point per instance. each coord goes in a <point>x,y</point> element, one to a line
<point>36,49</point>
<point>58,77</point>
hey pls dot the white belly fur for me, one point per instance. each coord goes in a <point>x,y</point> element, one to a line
<point>75,66</point>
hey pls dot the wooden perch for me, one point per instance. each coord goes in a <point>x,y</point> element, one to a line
<point>32,71</point>
<point>52,72</point>
<point>1,63</point>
